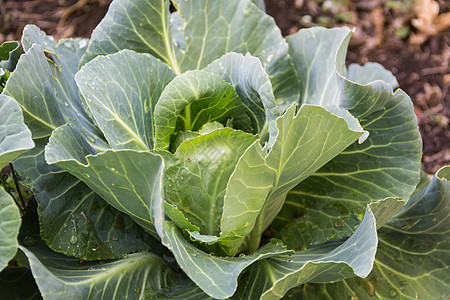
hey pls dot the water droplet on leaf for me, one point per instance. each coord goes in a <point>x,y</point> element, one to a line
<point>73,240</point>
<point>339,224</point>
<point>393,293</point>
<point>82,43</point>
<point>280,101</point>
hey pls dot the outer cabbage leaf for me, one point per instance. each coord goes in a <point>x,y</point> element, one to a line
<point>142,26</point>
<point>42,118</point>
<point>211,29</point>
<point>130,277</point>
<point>74,220</point>
<point>371,72</point>
<point>387,164</point>
<point>15,137</point>
<point>121,91</point>
<point>50,99</point>
<point>412,259</point>
<point>127,179</point>
<point>9,228</point>
<point>260,4</point>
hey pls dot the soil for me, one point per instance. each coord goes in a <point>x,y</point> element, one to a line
<point>387,32</point>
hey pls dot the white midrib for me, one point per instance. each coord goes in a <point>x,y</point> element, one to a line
<point>126,127</point>
<point>172,60</point>
<point>24,109</point>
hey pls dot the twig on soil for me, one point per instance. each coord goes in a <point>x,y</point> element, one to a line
<point>435,70</point>
<point>70,10</point>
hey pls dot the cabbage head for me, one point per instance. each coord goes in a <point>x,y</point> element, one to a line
<point>200,154</point>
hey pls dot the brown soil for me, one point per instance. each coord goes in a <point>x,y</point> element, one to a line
<point>386,34</point>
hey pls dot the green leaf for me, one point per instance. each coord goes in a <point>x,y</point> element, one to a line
<point>121,91</point>
<point>126,179</point>
<point>142,26</point>
<point>9,228</point>
<point>74,220</point>
<point>197,175</point>
<point>131,277</point>
<point>370,72</point>
<point>15,137</point>
<point>331,203</point>
<point>211,29</point>
<point>54,89</point>
<point>253,86</point>
<point>423,183</point>
<point>306,141</point>
<point>385,209</point>
<point>190,101</point>
<point>178,217</point>
<point>413,253</point>
<point>18,283</point>
<point>318,55</point>
<point>33,35</point>
<point>9,55</point>
<point>184,135</point>
<point>208,127</point>
<point>176,26</point>
<point>28,91</point>
<point>260,4</point>
<point>273,277</point>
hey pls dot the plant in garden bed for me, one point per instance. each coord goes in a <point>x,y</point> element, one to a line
<point>201,154</point>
